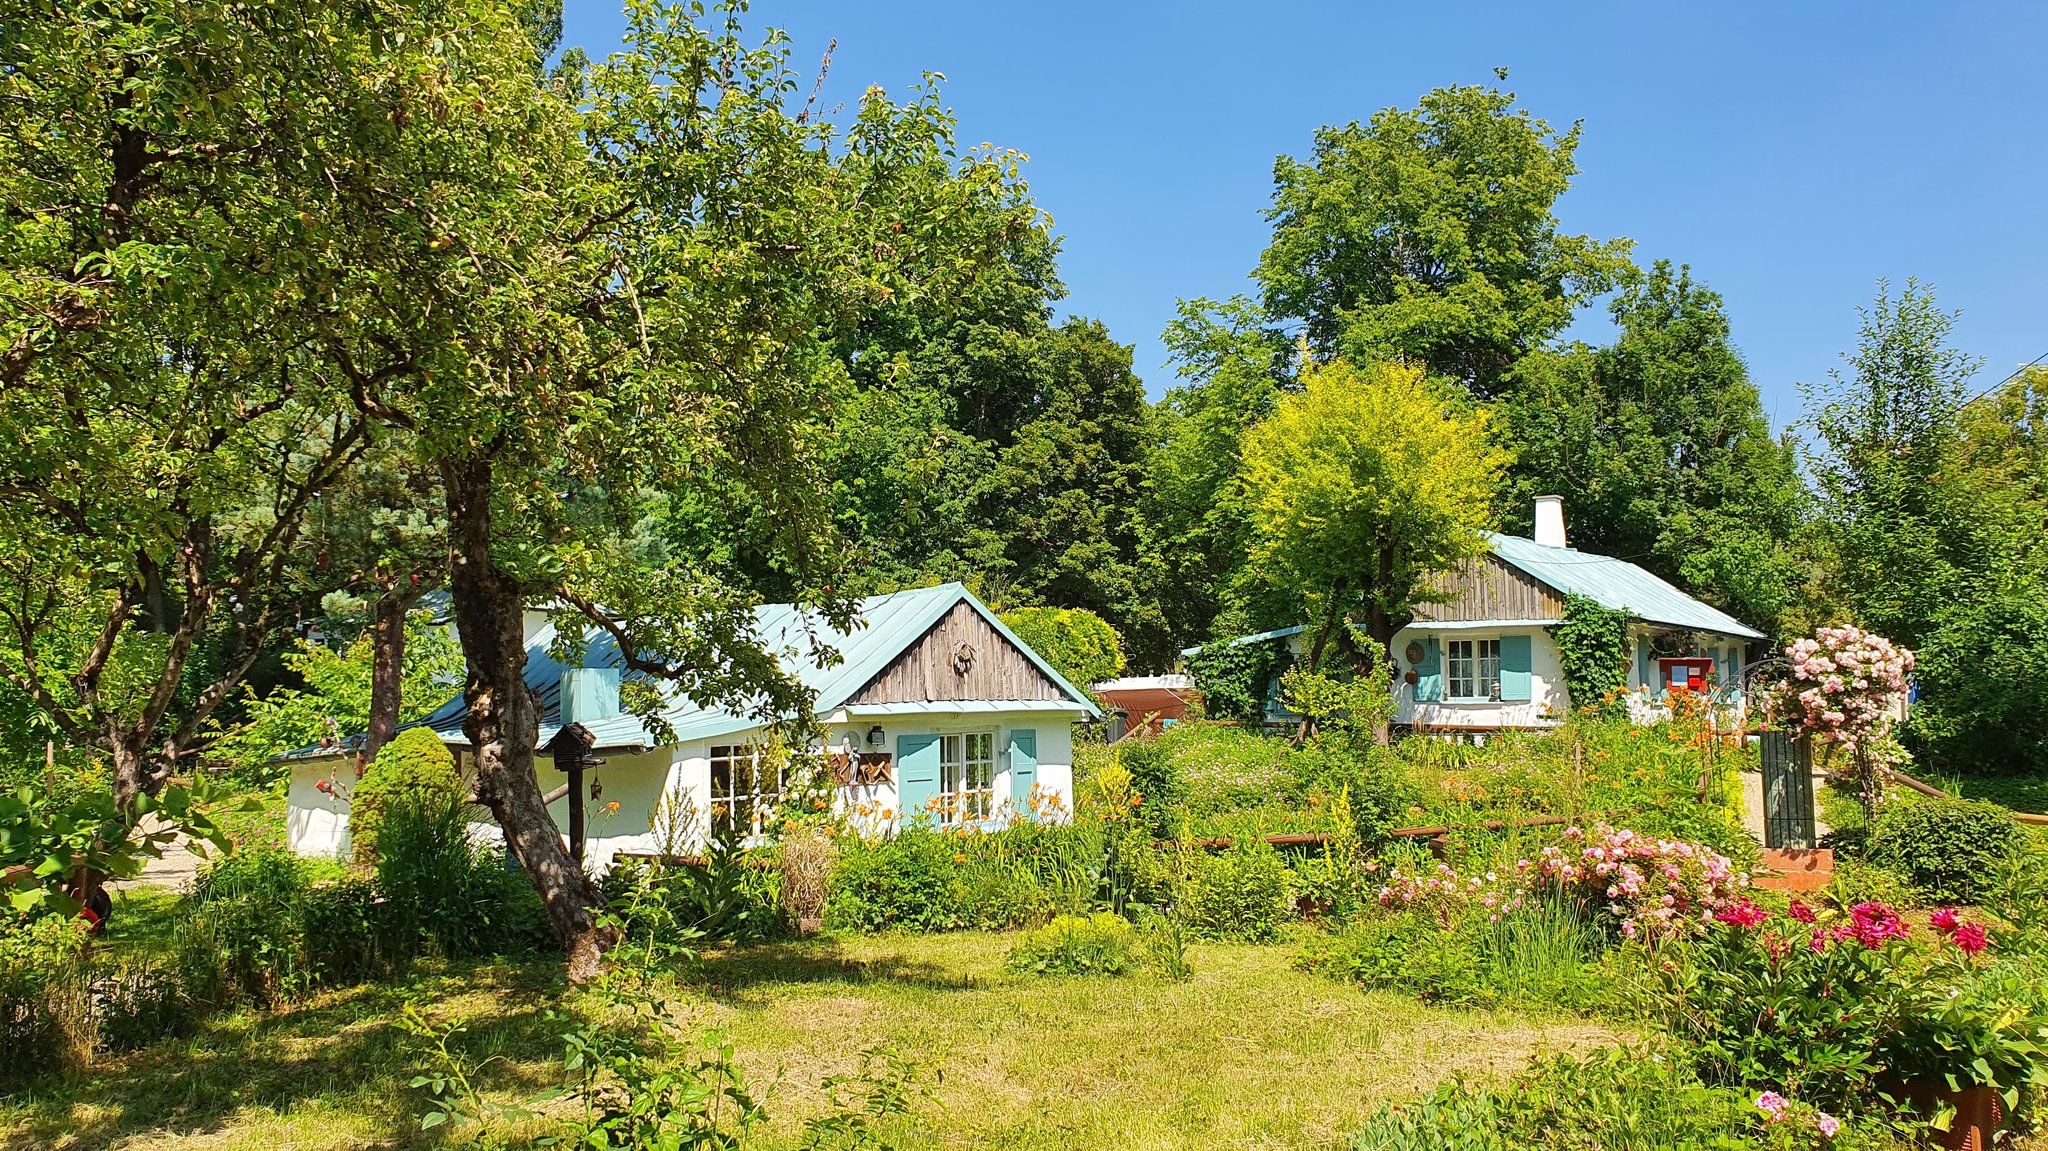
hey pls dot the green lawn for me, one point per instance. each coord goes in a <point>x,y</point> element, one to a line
<point>1247,1053</point>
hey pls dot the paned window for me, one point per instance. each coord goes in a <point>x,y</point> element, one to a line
<point>1474,668</point>
<point>745,785</point>
<point>967,778</point>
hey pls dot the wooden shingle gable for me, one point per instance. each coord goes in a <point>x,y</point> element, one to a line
<point>961,657</point>
<point>1488,588</point>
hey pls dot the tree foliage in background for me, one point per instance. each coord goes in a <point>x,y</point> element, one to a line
<point>335,701</point>
<point>979,441</point>
<point>1081,644</point>
<point>1592,651</point>
<point>1428,235</point>
<point>1234,677</point>
<point>1660,445</point>
<point>1364,485</point>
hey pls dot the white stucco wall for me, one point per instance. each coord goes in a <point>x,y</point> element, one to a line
<point>317,823</point>
<point>1548,700</point>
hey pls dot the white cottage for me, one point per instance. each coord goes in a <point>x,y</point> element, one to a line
<point>1484,660</point>
<point>934,708</point>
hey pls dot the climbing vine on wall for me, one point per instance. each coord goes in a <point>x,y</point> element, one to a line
<point>1233,678</point>
<point>1592,649</point>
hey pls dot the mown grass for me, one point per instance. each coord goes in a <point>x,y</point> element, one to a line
<point>1247,1053</point>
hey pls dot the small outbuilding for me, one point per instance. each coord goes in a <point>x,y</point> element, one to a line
<point>1484,659</point>
<point>933,710</point>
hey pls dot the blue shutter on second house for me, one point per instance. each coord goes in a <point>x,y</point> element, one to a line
<point>1023,770</point>
<point>1515,662</point>
<point>1429,674</point>
<point>917,775</point>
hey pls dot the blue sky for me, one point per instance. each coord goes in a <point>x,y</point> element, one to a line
<point>1793,154</point>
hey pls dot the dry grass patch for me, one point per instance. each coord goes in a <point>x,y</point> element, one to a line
<point>1248,1053</point>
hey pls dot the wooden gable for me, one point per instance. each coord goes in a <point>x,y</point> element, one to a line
<point>962,657</point>
<point>1486,588</point>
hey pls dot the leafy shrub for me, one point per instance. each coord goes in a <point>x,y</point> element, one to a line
<point>1405,952</point>
<point>142,1004</point>
<point>351,934</point>
<point>1857,882</point>
<point>1949,849</point>
<point>1618,1099</point>
<point>415,767</point>
<point>1156,777</point>
<point>1241,894</point>
<point>902,882</point>
<point>446,893</point>
<point>242,942</point>
<point>46,1023</point>
<point>1081,644</point>
<point>1100,944</point>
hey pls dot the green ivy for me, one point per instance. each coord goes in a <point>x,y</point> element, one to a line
<point>1233,678</point>
<point>1592,649</point>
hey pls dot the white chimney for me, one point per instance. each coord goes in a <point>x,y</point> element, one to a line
<point>1550,521</point>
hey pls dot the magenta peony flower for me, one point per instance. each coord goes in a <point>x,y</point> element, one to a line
<point>1800,911</point>
<point>1743,914</point>
<point>1970,937</point>
<point>1873,923</point>
<point>1944,920</point>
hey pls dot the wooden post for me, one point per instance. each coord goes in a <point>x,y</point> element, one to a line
<point>576,810</point>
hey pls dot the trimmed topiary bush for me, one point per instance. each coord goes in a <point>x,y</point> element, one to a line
<point>1951,850</point>
<point>415,767</point>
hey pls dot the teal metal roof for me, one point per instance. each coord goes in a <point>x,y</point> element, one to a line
<point>1260,637</point>
<point>1612,583</point>
<point>883,627</point>
<point>1616,584</point>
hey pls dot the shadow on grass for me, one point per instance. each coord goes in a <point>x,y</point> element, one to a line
<point>740,974</point>
<point>343,1051</point>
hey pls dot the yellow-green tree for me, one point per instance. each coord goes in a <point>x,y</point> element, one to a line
<point>1362,485</point>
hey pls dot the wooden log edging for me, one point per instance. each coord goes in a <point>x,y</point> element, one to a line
<point>1932,791</point>
<point>1318,838</point>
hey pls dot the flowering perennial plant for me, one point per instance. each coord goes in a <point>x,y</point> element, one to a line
<point>1840,694</point>
<point>1656,888</point>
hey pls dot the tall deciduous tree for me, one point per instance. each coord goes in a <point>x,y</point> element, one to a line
<point>1660,444</point>
<point>1885,439</point>
<point>167,428</point>
<point>1362,486</point>
<point>1429,235</point>
<point>622,292</point>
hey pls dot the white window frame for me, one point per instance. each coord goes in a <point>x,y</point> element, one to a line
<point>966,795</point>
<point>758,801</point>
<point>1472,669</point>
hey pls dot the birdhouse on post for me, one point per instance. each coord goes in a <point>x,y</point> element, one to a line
<point>570,749</point>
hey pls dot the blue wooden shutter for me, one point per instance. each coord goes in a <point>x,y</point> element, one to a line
<point>1515,660</point>
<point>1429,674</point>
<point>917,776</point>
<point>1023,770</point>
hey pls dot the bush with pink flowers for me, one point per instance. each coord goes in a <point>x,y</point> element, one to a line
<point>1840,694</point>
<point>1843,1010</point>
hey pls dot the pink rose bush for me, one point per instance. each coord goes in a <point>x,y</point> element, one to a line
<point>1840,693</point>
<point>1842,683</point>
<point>1656,888</point>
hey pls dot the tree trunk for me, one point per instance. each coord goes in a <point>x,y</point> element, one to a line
<point>503,723</point>
<point>387,670</point>
<point>1315,653</point>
